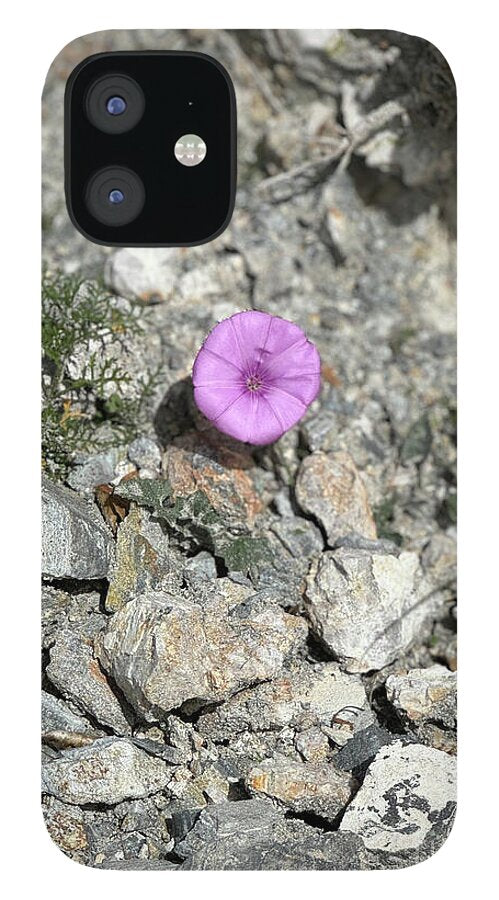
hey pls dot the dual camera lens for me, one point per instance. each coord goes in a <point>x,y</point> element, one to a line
<point>115,104</point>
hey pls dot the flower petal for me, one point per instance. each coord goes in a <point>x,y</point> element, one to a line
<point>214,402</point>
<point>287,409</point>
<point>210,367</point>
<point>250,419</point>
<point>224,343</point>
<point>296,360</point>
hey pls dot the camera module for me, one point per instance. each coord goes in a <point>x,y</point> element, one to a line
<point>150,148</point>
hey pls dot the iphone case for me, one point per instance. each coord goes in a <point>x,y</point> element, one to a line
<point>249,646</point>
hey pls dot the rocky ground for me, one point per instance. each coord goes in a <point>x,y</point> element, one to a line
<point>249,657</point>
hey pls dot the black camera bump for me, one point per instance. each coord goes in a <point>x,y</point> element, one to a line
<point>150,148</point>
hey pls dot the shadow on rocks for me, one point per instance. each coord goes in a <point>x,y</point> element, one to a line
<point>178,421</point>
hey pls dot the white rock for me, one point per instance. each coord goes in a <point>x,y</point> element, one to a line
<point>143,273</point>
<point>367,607</point>
<point>408,796</point>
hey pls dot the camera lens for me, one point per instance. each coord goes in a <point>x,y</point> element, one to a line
<point>115,195</point>
<point>116,106</point>
<point>114,103</point>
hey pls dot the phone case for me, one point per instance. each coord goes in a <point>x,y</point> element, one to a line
<point>249,645</point>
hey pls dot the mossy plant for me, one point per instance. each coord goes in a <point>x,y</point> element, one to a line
<point>197,525</point>
<point>79,317</point>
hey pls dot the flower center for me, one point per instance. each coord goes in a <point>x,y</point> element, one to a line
<point>253,383</point>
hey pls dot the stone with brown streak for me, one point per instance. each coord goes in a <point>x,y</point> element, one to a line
<point>75,671</point>
<point>165,649</point>
<point>302,786</point>
<point>424,695</point>
<point>109,771</point>
<point>222,469</point>
<point>330,488</point>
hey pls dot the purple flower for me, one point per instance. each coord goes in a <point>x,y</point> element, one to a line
<point>255,376</point>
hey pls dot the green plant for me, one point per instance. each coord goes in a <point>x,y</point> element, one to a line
<point>196,524</point>
<point>78,319</point>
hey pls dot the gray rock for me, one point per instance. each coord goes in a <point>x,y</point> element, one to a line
<point>300,537</point>
<point>202,565</point>
<point>57,716</point>
<point>301,786</point>
<point>294,847</point>
<point>409,792</point>
<point>109,771</point>
<point>243,819</point>
<point>329,487</point>
<point>367,607</point>
<point>76,542</point>
<point>424,694</point>
<point>253,835</point>
<point>145,454</point>
<point>94,470</point>
<point>75,671</point>
<point>363,747</point>
<point>163,649</point>
<point>143,560</point>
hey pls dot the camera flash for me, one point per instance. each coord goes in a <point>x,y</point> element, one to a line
<point>190,150</point>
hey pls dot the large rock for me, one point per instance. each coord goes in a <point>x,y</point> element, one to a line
<point>408,798</point>
<point>75,671</point>
<point>425,700</point>
<point>366,607</point>
<point>303,697</point>
<point>294,846</point>
<point>254,835</point>
<point>163,649</point>
<point>76,542</point>
<point>109,771</point>
<point>302,787</point>
<point>248,818</point>
<point>57,716</point>
<point>329,487</point>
